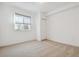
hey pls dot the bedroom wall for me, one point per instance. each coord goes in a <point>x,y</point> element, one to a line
<point>63,26</point>
<point>7,33</point>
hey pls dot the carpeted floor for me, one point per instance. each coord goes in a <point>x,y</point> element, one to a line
<point>39,49</point>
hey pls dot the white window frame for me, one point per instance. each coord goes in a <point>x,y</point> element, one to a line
<point>22,23</point>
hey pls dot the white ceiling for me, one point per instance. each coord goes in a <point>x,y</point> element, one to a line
<point>44,7</point>
<point>51,6</point>
<point>31,6</point>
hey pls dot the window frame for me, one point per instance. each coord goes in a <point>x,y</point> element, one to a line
<point>23,22</point>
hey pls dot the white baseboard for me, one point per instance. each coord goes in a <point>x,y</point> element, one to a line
<point>16,43</point>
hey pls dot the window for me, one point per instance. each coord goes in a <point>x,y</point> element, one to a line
<point>22,22</point>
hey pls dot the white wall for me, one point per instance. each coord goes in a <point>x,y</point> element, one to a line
<point>43,26</point>
<point>38,29</point>
<point>64,26</point>
<point>43,29</point>
<point>7,33</point>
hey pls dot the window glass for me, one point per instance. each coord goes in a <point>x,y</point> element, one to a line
<point>22,22</point>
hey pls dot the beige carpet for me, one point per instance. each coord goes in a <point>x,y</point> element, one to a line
<point>39,49</point>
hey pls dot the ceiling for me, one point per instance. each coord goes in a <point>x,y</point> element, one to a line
<point>31,6</point>
<point>43,7</point>
<point>51,6</point>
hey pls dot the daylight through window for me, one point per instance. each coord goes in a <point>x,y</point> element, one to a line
<point>22,22</point>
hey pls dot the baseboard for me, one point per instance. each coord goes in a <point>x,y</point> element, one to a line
<point>63,43</point>
<point>20,43</point>
<point>17,43</point>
